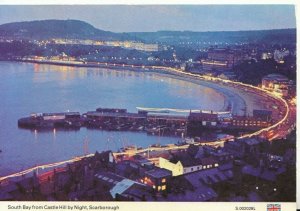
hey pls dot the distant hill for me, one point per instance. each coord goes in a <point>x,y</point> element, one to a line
<point>269,36</point>
<point>75,29</point>
<point>45,29</point>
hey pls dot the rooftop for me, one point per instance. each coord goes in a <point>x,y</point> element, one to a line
<point>185,160</point>
<point>61,114</point>
<point>159,173</point>
<point>261,112</point>
<point>200,194</point>
<point>233,143</point>
<point>208,161</point>
<point>109,178</point>
<point>263,173</point>
<point>251,141</point>
<point>121,187</point>
<point>275,76</point>
<point>209,176</point>
<point>113,114</point>
<point>204,115</point>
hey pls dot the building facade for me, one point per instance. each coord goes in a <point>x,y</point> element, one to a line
<point>182,167</point>
<point>221,59</point>
<point>276,83</point>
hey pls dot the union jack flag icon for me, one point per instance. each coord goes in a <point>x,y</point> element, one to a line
<point>273,207</point>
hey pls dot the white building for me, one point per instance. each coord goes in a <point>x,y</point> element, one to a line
<point>184,166</point>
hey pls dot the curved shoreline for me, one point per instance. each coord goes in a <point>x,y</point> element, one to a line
<point>193,77</point>
<point>180,74</point>
<point>218,90</point>
<point>230,100</point>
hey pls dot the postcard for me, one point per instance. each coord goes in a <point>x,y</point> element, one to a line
<point>130,107</point>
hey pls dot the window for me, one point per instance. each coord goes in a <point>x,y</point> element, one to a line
<point>163,187</point>
<point>154,186</point>
<point>163,180</point>
<point>159,188</point>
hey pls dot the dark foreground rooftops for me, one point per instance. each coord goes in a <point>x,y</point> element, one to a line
<point>159,173</point>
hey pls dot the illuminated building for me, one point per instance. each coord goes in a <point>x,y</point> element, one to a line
<point>276,83</point>
<point>183,165</point>
<point>157,178</point>
<point>62,57</point>
<point>221,59</point>
<point>249,122</point>
<point>279,55</point>
<point>265,56</point>
<point>227,75</point>
<point>183,66</point>
<point>262,114</point>
<point>134,45</point>
<point>213,65</point>
<point>149,47</point>
<point>205,119</point>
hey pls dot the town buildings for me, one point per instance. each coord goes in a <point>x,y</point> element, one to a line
<point>221,59</point>
<point>277,83</point>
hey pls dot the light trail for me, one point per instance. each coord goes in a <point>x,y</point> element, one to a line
<point>270,94</point>
<point>50,165</point>
<point>172,70</point>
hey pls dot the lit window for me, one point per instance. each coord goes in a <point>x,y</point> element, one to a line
<point>154,186</point>
<point>163,187</point>
<point>159,188</point>
<point>163,180</point>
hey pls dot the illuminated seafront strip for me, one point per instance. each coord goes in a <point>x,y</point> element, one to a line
<point>271,94</point>
<point>176,72</point>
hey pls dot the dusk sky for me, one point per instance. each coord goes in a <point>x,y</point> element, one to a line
<point>153,18</point>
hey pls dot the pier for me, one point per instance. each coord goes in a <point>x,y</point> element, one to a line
<point>153,121</point>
